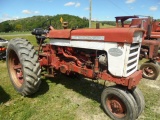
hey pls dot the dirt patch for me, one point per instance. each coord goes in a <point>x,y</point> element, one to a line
<point>153,84</point>
<point>83,111</point>
<point>156,109</point>
<point>84,116</point>
<point>75,98</point>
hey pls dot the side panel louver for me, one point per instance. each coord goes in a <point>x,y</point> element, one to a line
<point>132,59</point>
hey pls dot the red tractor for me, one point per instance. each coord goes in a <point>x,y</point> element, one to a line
<point>3,47</point>
<point>150,45</point>
<point>109,54</point>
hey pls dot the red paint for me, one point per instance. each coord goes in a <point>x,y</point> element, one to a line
<point>137,23</point>
<point>2,49</point>
<point>153,46</point>
<point>62,34</point>
<point>124,35</point>
<point>151,35</point>
<point>56,58</point>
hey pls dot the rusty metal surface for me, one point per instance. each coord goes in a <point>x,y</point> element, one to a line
<point>153,46</point>
<point>137,22</point>
<point>155,34</point>
<point>131,81</point>
<point>116,106</point>
<point>134,79</point>
<point>52,59</point>
<point>122,19</point>
<point>124,35</point>
<point>63,33</point>
<point>152,33</point>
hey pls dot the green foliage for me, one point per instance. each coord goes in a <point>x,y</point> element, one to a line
<point>5,27</point>
<point>112,23</point>
<point>28,24</point>
<point>18,27</point>
<point>101,25</point>
<point>73,21</point>
<point>158,20</point>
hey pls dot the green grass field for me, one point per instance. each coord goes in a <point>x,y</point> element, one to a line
<point>101,26</point>
<point>65,98</point>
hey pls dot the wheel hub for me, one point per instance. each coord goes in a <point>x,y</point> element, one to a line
<point>16,69</point>
<point>116,106</point>
<point>148,71</point>
<point>19,75</point>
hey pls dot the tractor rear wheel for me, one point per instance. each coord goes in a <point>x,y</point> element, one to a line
<point>150,70</point>
<point>23,66</point>
<point>119,104</point>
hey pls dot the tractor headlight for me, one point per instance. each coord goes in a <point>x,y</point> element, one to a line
<point>137,37</point>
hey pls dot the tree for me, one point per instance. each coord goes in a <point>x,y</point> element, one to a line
<point>18,27</point>
<point>6,27</point>
<point>30,23</point>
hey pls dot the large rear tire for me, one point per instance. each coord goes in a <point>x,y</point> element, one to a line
<point>23,66</point>
<point>118,104</point>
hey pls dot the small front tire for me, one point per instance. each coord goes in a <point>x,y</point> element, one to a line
<point>150,71</point>
<point>139,98</point>
<point>118,104</point>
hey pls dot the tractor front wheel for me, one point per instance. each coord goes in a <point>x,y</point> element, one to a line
<point>119,104</point>
<point>23,66</point>
<point>150,70</point>
<point>139,98</point>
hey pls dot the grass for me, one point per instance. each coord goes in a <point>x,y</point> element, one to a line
<point>65,98</point>
<point>15,33</point>
<point>101,26</point>
<point>27,36</point>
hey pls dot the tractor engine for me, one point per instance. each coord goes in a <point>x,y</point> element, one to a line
<point>82,58</point>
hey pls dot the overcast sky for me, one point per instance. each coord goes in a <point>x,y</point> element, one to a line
<point>101,9</point>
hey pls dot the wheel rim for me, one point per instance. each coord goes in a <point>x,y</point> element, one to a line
<point>148,71</point>
<point>15,69</point>
<point>116,106</point>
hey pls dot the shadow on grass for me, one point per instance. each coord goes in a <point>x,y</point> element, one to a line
<point>4,97</point>
<point>43,88</point>
<point>83,86</point>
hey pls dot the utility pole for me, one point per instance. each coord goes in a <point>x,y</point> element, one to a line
<point>90,14</point>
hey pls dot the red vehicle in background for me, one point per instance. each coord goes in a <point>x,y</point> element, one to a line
<point>3,47</point>
<point>150,45</point>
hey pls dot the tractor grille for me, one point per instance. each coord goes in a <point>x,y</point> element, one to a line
<point>133,58</point>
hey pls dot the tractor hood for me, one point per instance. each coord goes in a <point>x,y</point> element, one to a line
<point>125,35</point>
